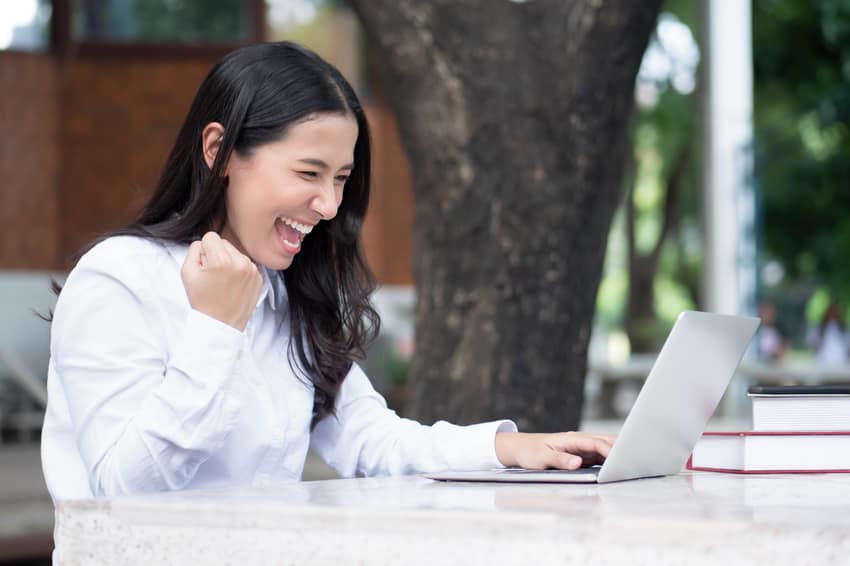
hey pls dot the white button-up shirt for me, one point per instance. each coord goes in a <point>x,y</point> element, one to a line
<point>147,394</point>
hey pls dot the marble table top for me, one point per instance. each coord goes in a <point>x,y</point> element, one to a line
<point>691,518</point>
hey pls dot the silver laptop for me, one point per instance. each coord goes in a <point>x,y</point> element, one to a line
<point>680,394</point>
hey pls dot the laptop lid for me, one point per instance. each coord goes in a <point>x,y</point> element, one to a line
<point>681,392</point>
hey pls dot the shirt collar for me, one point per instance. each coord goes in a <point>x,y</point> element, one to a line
<point>276,286</point>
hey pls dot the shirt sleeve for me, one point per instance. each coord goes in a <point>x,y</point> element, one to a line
<point>145,416</point>
<point>365,438</point>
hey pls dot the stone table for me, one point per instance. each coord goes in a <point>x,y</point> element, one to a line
<point>692,518</point>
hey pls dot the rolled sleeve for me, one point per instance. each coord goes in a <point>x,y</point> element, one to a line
<point>365,438</point>
<point>471,447</point>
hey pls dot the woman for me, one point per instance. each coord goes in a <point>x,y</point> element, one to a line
<point>211,342</point>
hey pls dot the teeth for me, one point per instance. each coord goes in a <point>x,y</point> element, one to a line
<point>303,228</point>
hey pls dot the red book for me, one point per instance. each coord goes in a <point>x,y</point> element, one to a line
<point>757,452</point>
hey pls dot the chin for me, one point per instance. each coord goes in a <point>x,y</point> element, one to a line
<point>277,263</point>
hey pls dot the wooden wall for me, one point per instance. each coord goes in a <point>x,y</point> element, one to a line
<point>387,234</point>
<point>84,140</point>
<point>119,119</point>
<point>29,157</point>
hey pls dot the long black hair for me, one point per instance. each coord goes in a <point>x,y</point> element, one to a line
<point>256,93</point>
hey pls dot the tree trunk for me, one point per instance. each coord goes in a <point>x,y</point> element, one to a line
<point>514,118</point>
<point>641,321</point>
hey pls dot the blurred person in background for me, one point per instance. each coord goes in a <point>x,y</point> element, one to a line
<point>830,339</point>
<point>772,343</point>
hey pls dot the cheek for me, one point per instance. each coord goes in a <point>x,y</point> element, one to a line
<point>236,203</point>
<point>246,198</point>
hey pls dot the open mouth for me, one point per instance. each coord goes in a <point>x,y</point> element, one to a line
<point>291,233</point>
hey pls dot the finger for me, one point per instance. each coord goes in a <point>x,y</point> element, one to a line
<point>592,459</point>
<point>244,263</point>
<point>564,460</point>
<point>597,445</point>
<point>210,238</point>
<point>587,459</point>
<point>602,441</point>
<point>213,249</point>
<point>195,255</point>
<point>578,442</point>
<point>231,250</point>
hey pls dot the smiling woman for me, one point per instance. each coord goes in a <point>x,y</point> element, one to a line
<point>214,340</point>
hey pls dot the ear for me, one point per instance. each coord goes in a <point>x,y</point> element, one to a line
<point>211,141</point>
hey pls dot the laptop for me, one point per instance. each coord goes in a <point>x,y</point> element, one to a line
<point>680,394</point>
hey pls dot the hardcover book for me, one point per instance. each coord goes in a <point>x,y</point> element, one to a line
<point>801,408</point>
<point>759,452</point>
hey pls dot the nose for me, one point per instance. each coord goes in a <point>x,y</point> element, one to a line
<point>326,201</point>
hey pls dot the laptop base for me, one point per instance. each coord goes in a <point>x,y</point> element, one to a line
<point>519,475</point>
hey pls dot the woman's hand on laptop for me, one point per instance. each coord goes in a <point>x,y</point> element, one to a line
<point>562,450</point>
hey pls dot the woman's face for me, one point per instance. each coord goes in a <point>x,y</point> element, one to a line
<point>279,192</point>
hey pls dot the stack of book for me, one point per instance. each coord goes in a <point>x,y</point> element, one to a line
<point>796,429</point>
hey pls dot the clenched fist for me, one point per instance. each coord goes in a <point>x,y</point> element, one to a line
<point>220,281</point>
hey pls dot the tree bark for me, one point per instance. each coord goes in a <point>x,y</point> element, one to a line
<point>514,118</point>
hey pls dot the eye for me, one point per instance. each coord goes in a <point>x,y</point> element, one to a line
<point>342,179</point>
<point>309,174</point>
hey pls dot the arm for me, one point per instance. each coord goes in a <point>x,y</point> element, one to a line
<point>144,419</point>
<point>365,438</point>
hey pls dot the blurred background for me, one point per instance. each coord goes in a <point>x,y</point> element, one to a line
<point>735,196</point>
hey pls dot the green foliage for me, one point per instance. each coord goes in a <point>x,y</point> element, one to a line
<point>207,20</point>
<point>801,51</point>
<point>660,133</point>
<point>197,21</point>
<point>611,298</point>
<point>397,367</point>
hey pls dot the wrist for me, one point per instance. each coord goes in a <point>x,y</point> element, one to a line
<point>506,448</point>
<point>237,322</point>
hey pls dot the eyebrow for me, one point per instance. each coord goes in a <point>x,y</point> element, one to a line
<point>321,164</point>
